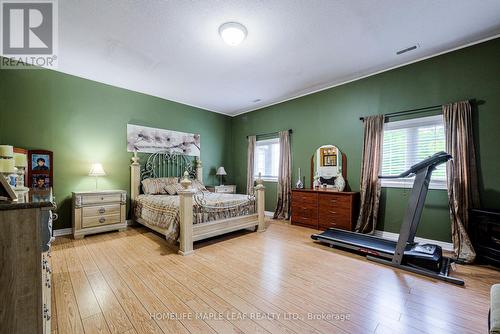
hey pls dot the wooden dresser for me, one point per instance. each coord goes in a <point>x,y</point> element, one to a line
<point>25,273</point>
<point>323,208</point>
<point>98,211</point>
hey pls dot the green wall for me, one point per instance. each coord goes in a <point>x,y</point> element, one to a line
<point>82,122</point>
<point>332,117</point>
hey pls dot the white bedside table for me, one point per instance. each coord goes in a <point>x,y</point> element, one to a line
<point>98,211</point>
<point>227,189</point>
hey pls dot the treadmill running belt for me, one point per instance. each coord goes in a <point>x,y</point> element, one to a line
<point>357,240</point>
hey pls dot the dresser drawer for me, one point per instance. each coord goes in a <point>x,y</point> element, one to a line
<point>304,221</point>
<point>100,220</point>
<point>337,219</point>
<point>92,211</point>
<point>101,199</point>
<point>225,189</point>
<point>305,210</point>
<point>299,197</point>
<point>334,201</point>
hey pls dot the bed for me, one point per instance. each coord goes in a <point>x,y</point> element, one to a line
<point>192,213</point>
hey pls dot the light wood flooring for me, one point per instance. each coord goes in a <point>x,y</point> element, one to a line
<point>278,281</point>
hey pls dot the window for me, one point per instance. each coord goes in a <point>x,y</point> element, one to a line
<point>408,142</point>
<point>266,160</point>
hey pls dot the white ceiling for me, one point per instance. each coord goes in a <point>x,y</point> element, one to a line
<point>171,49</point>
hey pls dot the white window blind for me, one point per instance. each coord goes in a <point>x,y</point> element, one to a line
<point>408,142</point>
<point>266,160</point>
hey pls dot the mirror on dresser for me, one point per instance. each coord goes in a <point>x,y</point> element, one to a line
<point>328,168</point>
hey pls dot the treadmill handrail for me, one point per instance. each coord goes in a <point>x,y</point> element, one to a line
<point>433,161</point>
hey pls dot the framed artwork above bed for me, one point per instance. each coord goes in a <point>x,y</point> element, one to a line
<point>151,140</point>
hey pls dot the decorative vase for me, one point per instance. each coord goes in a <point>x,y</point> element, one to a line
<point>317,182</point>
<point>340,182</point>
<point>299,184</point>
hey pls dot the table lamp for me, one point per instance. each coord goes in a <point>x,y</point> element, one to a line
<point>96,170</point>
<point>221,172</point>
<point>7,165</point>
<point>21,162</point>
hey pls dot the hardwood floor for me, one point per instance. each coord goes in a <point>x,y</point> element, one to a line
<point>278,281</point>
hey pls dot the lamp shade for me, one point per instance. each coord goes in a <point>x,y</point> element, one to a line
<point>221,171</point>
<point>7,166</point>
<point>96,170</point>
<point>6,151</point>
<point>20,160</point>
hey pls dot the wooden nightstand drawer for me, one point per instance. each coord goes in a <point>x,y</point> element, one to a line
<point>92,211</point>
<point>101,199</point>
<point>227,189</point>
<point>100,220</point>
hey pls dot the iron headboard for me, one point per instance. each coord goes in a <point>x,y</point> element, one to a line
<point>168,164</point>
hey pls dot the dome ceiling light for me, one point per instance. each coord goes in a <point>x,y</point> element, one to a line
<point>233,33</point>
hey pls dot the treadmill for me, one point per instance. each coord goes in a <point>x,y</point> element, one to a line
<point>406,254</point>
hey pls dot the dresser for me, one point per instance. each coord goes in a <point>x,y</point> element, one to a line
<point>484,231</point>
<point>323,208</point>
<point>98,211</point>
<point>227,189</point>
<point>25,272</point>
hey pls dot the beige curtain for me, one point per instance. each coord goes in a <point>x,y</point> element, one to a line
<point>370,168</point>
<point>250,163</point>
<point>284,177</point>
<point>463,191</point>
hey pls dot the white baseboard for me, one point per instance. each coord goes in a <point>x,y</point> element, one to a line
<point>62,231</point>
<point>268,213</point>
<point>447,246</point>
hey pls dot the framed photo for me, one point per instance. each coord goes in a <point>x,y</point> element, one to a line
<point>40,169</point>
<point>40,181</point>
<point>330,160</point>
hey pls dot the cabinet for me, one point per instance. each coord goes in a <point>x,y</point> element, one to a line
<point>25,271</point>
<point>98,211</point>
<point>322,208</point>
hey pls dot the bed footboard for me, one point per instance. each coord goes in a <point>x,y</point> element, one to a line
<point>187,229</point>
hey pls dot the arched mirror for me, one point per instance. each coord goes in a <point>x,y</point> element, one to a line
<point>327,164</point>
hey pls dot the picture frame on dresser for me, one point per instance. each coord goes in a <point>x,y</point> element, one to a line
<point>40,169</point>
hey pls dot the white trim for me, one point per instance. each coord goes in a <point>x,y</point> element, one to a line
<point>67,231</point>
<point>447,246</point>
<point>369,74</point>
<point>268,213</point>
<point>62,231</point>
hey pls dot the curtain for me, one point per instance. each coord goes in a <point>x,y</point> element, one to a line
<point>250,163</point>
<point>284,177</point>
<point>370,168</point>
<point>463,191</point>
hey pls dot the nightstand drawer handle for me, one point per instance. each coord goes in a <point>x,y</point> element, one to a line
<point>102,210</point>
<point>102,220</point>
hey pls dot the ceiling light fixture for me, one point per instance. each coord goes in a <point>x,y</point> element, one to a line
<point>233,33</point>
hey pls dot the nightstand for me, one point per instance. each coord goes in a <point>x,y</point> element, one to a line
<point>227,189</point>
<point>98,211</point>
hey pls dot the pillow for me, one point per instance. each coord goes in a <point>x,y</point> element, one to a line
<point>173,188</point>
<point>156,186</point>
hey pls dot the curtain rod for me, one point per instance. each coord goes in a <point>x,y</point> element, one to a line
<point>414,111</point>
<point>272,133</point>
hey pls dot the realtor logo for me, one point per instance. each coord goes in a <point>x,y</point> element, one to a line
<point>29,33</point>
